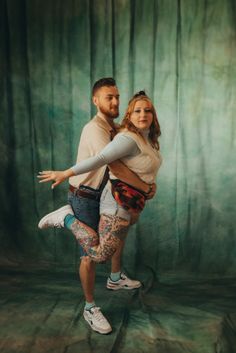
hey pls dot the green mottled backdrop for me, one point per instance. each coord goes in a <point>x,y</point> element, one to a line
<point>183,53</point>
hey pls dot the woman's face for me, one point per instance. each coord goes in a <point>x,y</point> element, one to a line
<point>142,116</point>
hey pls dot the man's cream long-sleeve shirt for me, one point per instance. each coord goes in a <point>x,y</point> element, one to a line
<point>95,135</point>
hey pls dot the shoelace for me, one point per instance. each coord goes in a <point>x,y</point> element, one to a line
<point>123,276</point>
<point>97,314</point>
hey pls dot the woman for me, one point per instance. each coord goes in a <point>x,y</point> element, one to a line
<point>137,146</point>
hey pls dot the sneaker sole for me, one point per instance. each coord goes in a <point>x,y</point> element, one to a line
<point>41,224</point>
<point>123,287</point>
<point>105,332</point>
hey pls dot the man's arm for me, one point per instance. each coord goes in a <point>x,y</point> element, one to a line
<point>125,174</point>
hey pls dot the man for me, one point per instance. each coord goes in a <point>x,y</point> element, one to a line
<point>84,194</point>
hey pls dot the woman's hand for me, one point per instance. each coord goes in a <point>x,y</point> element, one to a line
<point>57,176</point>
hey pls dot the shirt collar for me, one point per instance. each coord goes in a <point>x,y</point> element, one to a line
<point>112,130</point>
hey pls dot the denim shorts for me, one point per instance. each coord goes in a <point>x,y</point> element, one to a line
<point>88,211</point>
<point>85,210</point>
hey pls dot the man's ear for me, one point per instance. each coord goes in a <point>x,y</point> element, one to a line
<point>95,100</point>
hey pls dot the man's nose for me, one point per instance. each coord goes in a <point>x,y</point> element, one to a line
<point>115,101</point>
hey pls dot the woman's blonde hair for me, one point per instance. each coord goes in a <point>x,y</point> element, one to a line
<point>155,130</point>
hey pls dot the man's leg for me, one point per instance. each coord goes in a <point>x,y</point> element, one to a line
<point>92,314</point>
<point>87,267</point>
<point>87,211</point>
<point>64,217</point>
<point>87,277</point>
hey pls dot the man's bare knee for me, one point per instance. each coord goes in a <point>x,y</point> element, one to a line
<point>86,261</point>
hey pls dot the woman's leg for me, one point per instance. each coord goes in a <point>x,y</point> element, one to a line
<point>112,230</point>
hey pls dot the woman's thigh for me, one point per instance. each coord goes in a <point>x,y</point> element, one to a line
<point>109,206</point>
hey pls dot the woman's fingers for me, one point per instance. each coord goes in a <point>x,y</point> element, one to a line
<point>50,175</point>
<point>45,180</point>
<point>55,184</point>
<point>44,176</point>
<point>45,172</point>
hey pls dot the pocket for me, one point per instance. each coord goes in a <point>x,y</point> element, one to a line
<point>70,197</point>
<point>75,204</point>
<point>103,195</point>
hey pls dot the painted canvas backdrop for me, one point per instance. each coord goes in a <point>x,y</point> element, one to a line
<point>183,53</point>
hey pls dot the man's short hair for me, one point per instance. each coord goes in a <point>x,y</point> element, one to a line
<point>105,81</point>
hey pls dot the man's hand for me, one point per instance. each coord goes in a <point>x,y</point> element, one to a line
<point>152,192</point>
<point>123,173</point>
<point>58,176</point>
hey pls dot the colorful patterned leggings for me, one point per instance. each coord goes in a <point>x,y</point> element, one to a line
<point>102,245</point>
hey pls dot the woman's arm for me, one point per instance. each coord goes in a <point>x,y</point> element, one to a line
<point>121,146</point>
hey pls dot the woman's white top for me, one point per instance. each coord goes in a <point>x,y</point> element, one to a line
<point>135,152</point>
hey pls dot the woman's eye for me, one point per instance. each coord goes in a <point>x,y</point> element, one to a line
<point>137,111</point>
<point>148,110</point>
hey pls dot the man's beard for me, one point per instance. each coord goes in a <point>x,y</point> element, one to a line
<point>110,113</point>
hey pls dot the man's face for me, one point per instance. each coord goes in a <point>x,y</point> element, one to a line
<point>107,101</point>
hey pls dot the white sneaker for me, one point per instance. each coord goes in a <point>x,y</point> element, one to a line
<point>123,283</point>
<point>97,320</point>
<point>56,218</point>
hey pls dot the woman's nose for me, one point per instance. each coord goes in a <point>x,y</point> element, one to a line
<point>142,113</point>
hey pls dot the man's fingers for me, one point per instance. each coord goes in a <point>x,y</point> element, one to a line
<point>151,194</point>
